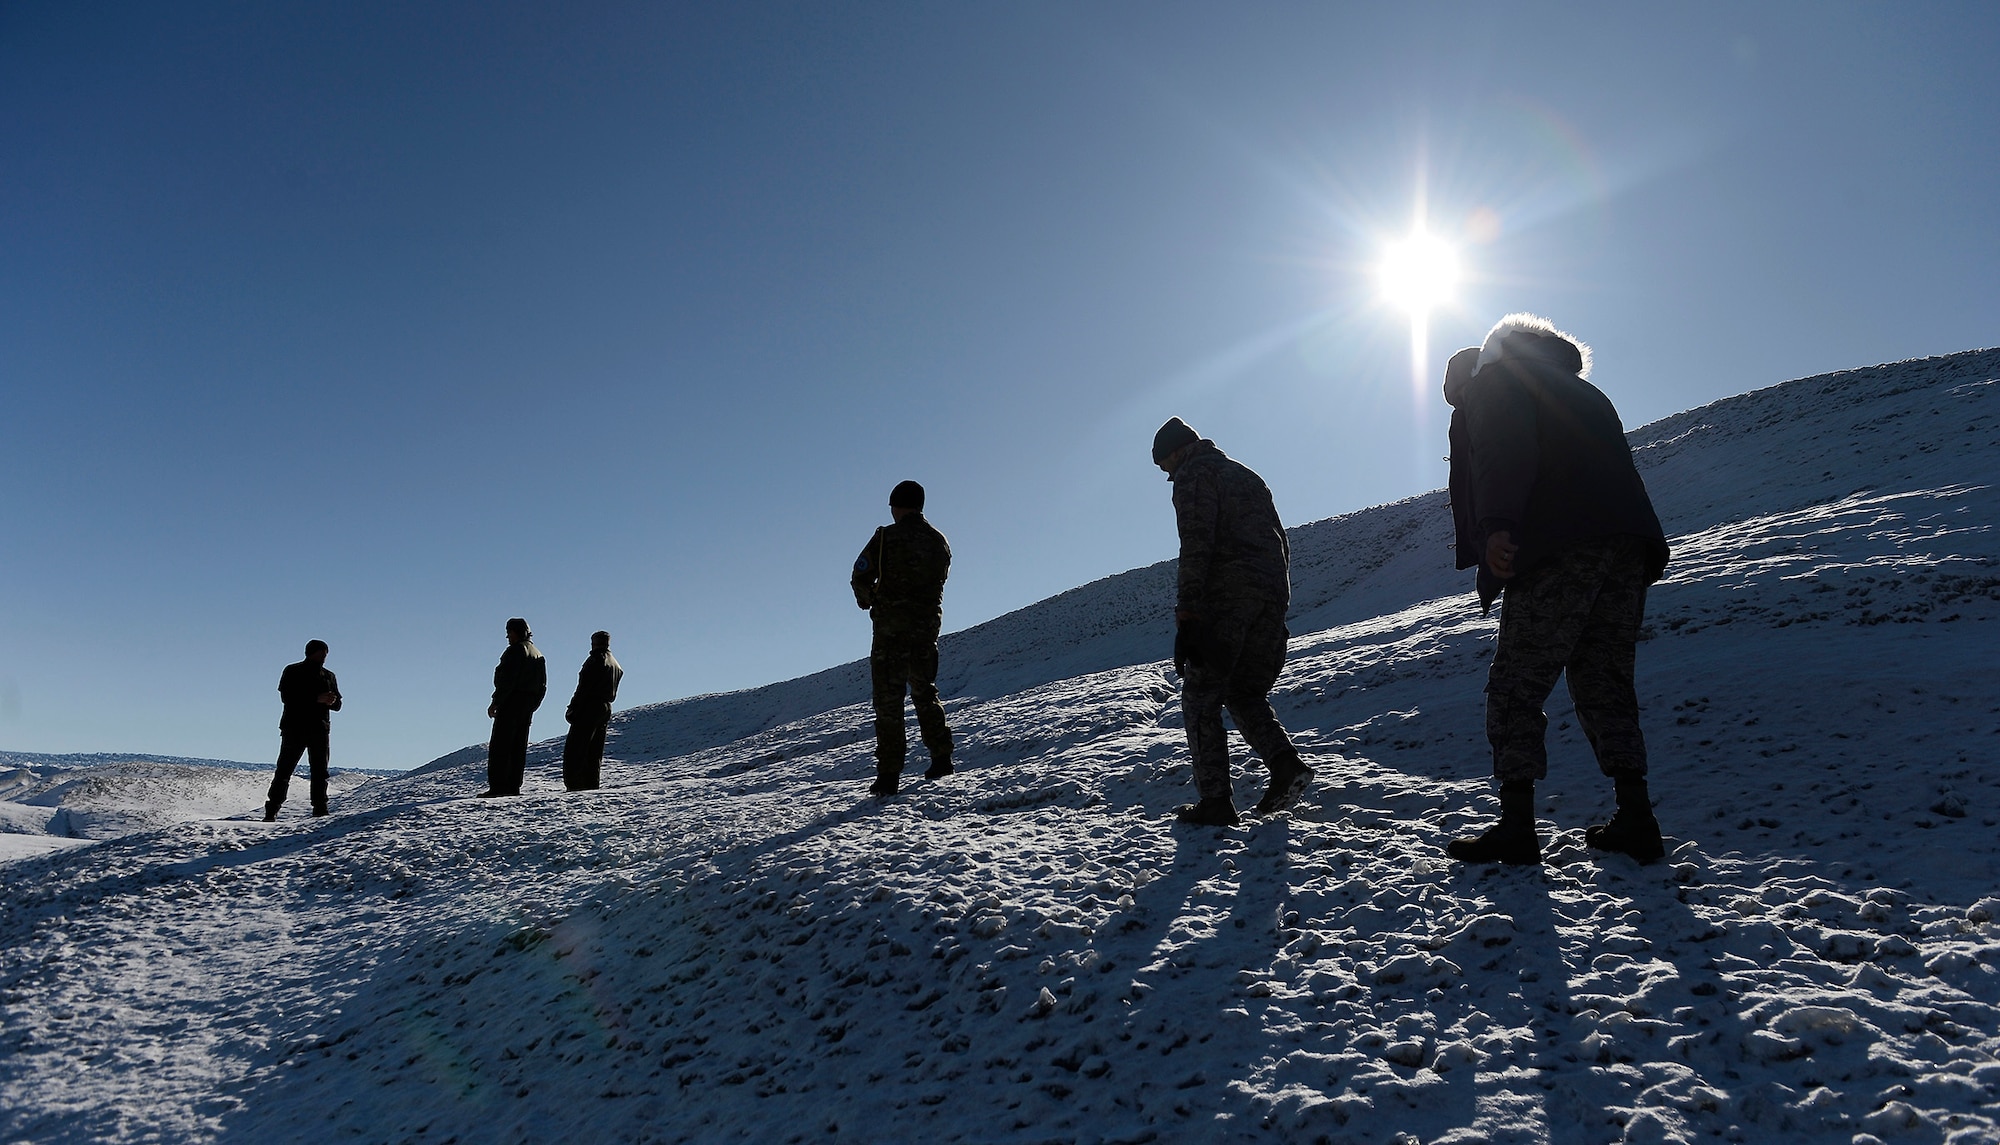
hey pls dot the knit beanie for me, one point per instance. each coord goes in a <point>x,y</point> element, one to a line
<point>907,495</point>
<point>1173,435</point>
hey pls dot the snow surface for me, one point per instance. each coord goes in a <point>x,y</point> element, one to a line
<point>732,943</point>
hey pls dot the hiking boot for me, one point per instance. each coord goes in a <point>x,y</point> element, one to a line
<point>882,788</point>
<point>1632,830</point>
<point>1217,812</point>
<point>938,769</point>
<point>1289,778</point>
<point>270,813</point>
<point>1512,839</point>
<point>319,812</point>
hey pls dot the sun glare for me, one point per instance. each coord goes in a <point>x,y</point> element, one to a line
<point>1419,272</point>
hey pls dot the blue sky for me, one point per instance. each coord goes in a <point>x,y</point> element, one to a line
<point>383,323</point>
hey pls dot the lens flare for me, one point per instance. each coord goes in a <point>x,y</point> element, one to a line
<point>1419,272</point>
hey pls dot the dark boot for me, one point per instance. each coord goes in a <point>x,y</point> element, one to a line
<point>1513,838</point>
<point>1632,830</point>
<point>1216,812</point>
<point>270,812</point>
<point>1289,778</point>
<point>938,769</point>
<point>887,780</point>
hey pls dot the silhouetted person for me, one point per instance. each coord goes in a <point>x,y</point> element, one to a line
<point>1549,507</point>
<point>519,682</point>
<point>310,695</point>
<point>1229,621</point>
<point>899,579</point>
<point>589,714</point>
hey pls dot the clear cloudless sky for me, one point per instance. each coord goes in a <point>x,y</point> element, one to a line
<point>381,323</point>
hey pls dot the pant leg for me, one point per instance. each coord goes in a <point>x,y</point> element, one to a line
<point>575,745</point>
<point>923,662</point>
<point>889,668</point>
<point>1248,695</point>
<point>1601,667</point>
<point>1205,688</point>
<point>583,756</point>
<point>290,748</point>
<point>1541,618</point>
<point>319,753</point>
<point>507,754</point>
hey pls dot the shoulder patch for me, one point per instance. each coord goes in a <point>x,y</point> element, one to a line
<point>861,564</point>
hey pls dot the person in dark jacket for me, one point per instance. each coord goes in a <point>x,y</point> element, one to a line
<point>310,695</point>
<point>1549,507</point>
<point>589,714</point>
<point>519,682</point>
<point>1229,621</point>
<point>899,580</point>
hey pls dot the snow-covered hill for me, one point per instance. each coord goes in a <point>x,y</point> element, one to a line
<point>732,943</point>
<point>52,802</point>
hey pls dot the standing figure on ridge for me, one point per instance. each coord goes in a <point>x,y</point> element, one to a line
<point>310,695</point>
<point>899,580</point>
<point>519,682</point>
<point>589,714</point>
<point>1548,505</point>
<point>1229,621</point>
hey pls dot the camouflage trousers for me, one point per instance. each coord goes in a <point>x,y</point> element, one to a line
<point>901,661</point>
<point>1577,616</point>
<point>1239,654</point>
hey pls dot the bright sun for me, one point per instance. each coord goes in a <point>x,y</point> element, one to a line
<point>1419,272</point>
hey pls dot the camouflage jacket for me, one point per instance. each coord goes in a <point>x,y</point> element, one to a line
<point>899,576</point>
<point>1233,546</point>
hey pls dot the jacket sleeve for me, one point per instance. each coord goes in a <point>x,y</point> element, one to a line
<point>333,685</point>
<point>865,571</point>
<point>1502,431</point>
<point>1197,508</point>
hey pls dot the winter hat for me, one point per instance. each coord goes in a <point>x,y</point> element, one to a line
<point>517,625</point>
<point>1172,436</point>
<point>1458,372</point>
<point>907,495</point>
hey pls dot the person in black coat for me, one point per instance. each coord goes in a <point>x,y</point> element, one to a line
<point>310,694</point>
<point>589,715</point>
<point>519,682</point>
<point>1551,510</point>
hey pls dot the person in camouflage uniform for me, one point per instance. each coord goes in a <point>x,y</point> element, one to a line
<point>899,581</point>
<point>1549,507</point>
<point>1229,619</point>
<point>520,681</point>
<point>589,715</point>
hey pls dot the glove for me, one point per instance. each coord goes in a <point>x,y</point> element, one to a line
<point>1187,646</point>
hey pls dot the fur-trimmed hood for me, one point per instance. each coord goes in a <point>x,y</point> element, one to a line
<point>1516,336</point>
<point>1533,336</point>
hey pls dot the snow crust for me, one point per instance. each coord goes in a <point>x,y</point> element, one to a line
<point>731,942</point>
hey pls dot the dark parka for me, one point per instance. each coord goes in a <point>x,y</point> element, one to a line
<point>899,576</point>
<point>520,681</point>
<point>596,689</point>
<point>300,686</point>
<point>1540,453</point>
<point>1233,546</point>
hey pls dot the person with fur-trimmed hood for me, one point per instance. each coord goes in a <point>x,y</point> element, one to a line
<point>1551,510</point>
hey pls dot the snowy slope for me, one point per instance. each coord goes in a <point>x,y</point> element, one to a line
<point>731,943</point>
<point>130,794</point>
